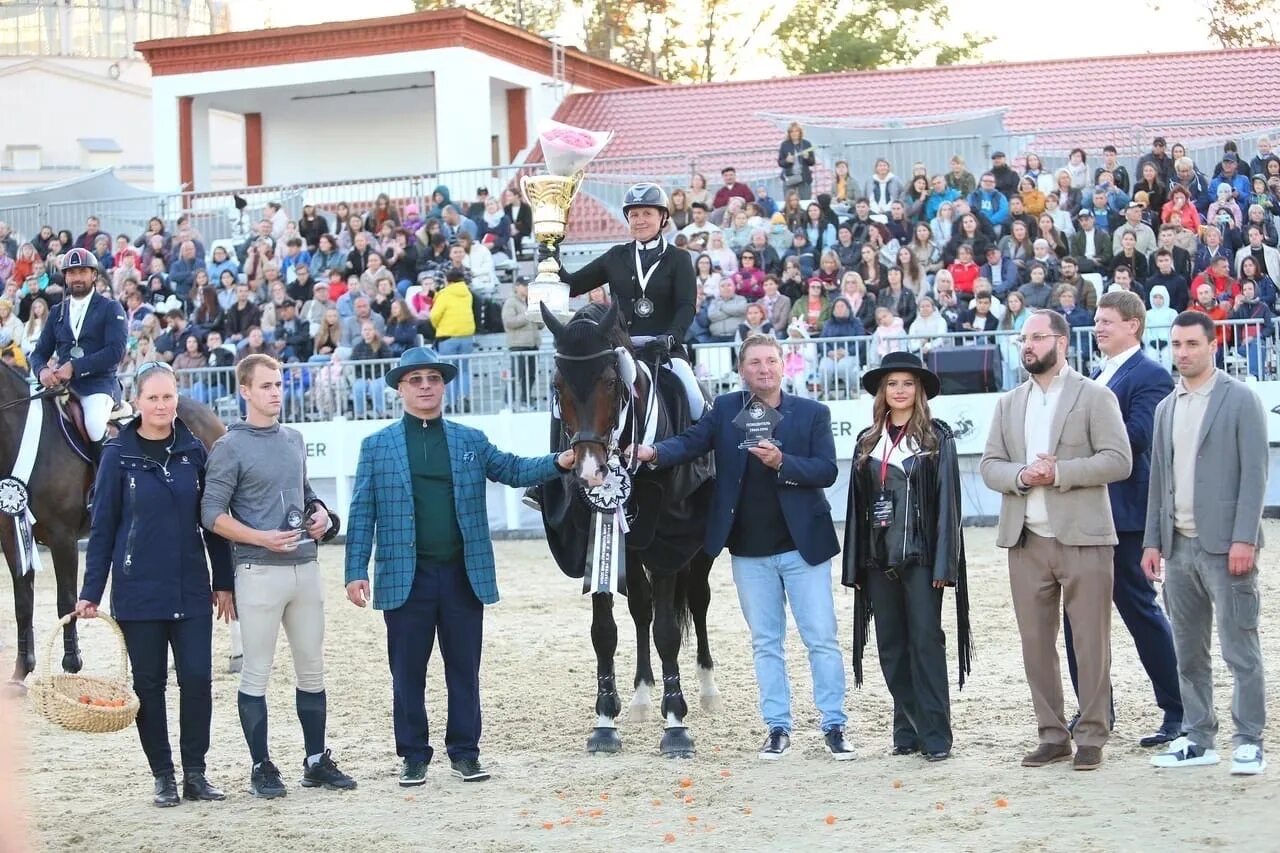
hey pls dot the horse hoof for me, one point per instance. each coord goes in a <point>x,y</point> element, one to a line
<point>235,663</point>
<point>72,663</point>
<point>677,743</point>
<point>712,703</point>
<point>604,742</point>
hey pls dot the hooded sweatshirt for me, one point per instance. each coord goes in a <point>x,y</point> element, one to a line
<point>256,474</point>
<point>437,210</point>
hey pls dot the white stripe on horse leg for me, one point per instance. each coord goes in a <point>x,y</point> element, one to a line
<point>641,703</point>
<point>603,722</point>
<point>708,693</point>
<point>674,722</point>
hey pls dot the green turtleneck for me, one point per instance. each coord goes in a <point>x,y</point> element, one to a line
<point>436,530</point>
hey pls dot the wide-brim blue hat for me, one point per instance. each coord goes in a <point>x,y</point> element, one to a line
<point>418,358</point>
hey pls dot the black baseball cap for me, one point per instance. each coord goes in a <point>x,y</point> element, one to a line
<point>288,303</point>
<point>1159,140</point>
<point>996,155</point>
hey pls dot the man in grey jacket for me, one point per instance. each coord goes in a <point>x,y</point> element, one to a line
<point>1205,521</point>
<point>258,497</point>
<point>725,312</point>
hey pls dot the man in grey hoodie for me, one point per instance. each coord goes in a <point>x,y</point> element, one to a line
<point>258,497</point>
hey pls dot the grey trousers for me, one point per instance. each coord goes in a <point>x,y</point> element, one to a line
<point>1197,584</point>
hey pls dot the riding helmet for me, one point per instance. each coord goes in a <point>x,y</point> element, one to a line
<point>645,194</point>
<point>78,257</point>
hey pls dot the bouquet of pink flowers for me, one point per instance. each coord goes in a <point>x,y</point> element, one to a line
<point>567,150</point>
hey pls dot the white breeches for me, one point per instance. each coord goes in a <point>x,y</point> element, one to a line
<point>97,409</point>
<point>684,372</point>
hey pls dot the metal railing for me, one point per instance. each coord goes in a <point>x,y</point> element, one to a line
<point>494,381</point>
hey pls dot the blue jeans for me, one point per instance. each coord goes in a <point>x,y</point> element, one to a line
<point>765,585</point>
<point>363,389</point>
<point>461,385</point>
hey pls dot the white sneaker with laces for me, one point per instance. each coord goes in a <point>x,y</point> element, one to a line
<point>1183,753</point>
<point>1247,760</point>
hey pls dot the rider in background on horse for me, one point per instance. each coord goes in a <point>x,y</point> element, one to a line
<point>87,334</point>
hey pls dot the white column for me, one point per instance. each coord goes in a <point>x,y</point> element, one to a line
<point>463,123</point>
<point>200,148</point>
<point>167,171</point>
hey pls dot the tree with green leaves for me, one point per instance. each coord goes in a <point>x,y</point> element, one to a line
<point>819,36</point>
<point>535,16</point>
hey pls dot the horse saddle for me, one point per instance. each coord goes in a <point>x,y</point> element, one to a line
<point>71,419</point>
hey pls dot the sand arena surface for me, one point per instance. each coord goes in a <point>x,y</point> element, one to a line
<point>90,792</point>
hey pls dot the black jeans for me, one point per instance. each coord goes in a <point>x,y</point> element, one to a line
<point>148,644</point>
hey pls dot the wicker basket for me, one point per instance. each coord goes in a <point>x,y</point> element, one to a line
<point>58,697</point>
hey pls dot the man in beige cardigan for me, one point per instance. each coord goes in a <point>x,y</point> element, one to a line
<point>1056,441</point>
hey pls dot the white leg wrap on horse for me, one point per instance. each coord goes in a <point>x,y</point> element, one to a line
<point>684,370</point>
<point>603,722</point>
<point>674,722</point>
<point>708,693</point>
<point>97,409</point>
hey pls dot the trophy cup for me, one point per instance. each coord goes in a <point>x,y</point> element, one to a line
<point>566,151</point>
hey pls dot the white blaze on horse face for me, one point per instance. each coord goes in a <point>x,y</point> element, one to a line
<point>590,470</point>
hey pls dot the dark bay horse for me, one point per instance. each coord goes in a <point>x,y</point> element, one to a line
<point>58,488</point>
<point>666,569</point>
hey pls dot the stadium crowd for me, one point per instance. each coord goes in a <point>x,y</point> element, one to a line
<point>865,266</point>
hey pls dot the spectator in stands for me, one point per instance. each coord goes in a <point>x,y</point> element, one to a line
<point>478,261</point>
<point>453,317</point>
<point>327,337</point>
<point>383,211</point>
<point>838,364</point>
<point>811,310</point>
<point>368,382</point>
<point>725,311</point>
<point>889,336</point>
<point>844,189</point>
<point>882,188</point>
<point>523,339</point>
<point>1158,157</point>
<point>1124,280</point>
<point>358,258</point>
<point>295,255</point>
<point>1037,292</point>
<point>1042,254</point>
<point>1265,256</point>
<point>1266,220</point>
<point>1230,177</point>
<point>209,314</point>
<point>698,192</point>
<point>939,194</point>
<point>916,197</point>
<point>1130,257</point>
<point>1002,272</point>
<point>896,297</point>
<point>863,304</point>
<point>927,253</point>
<point>1181,209</point>
<point>796,159</point>
<point>927,332</point>
<point>1146,238</point>
<point>963,271</point>
<point>173,342</point>
<point>1212,245</point>
<point>699,223</point>
<point>793,282</point>
<point>870,269</point>
<point>1217,309</point>
<point>959,178</point>
<point>777,307</point>
<point>1263,285</point>
<point>1158,326</point>
<point>914,277</point>
<point>803,251</point>
<point>706,276</point>
<point>312,226</point>
<point>968,233</point>
<point>821,234</point>
<point>362,310</point>
<point>898,226</point>
<point>737,232</point>
<point>1150,183</point>
<point>1218,277</point>
<point>731,189</point>
<point>1006,179</point>
<point>439,200</point>
<point>756,322</point>
<point>88,236</point>
<point>183,269</point>
<point>748,281</point>
<point>327,256</point>
<point>723,257</point>
<point>37,317</point>
<point>1174,284</point>
<point>1047,230</point>
<point>1035,172</point>
<point>352,228</point>
<point>275,214</point>
<point>495,228</point>
<point>1255,330</point>
<point>766,258</point>
<point>220,260</point>
<point>1090,246</point>
<point>241,316</point>
<point>1030,197</point>
<point>1069,198</point>
<point>978,318</point>
<point>679,214</point>
<point>1076,317</point>
<point>1110,163</point>
<point>23,262</point>
<point>101,250</point>
<point>42,239</point>
<point>11,328</point>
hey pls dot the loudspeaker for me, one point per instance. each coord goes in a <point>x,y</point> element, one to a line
<point>966,370</point>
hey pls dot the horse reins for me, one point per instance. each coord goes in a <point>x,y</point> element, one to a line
<point>610,443</point>
<point>41,395</point>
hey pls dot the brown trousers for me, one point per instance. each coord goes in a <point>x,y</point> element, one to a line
<point>1044,575</point>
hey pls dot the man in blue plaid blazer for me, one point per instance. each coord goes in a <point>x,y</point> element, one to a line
<point>420,494</point>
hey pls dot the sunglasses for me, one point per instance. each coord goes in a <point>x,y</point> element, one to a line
<point>148,366</point>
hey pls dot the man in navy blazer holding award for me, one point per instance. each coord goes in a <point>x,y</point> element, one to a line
<point>774,456</point>
<point>1139,385</point>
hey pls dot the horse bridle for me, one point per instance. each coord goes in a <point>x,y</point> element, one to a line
<point>609,442</point>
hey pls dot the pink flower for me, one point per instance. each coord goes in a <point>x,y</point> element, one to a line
<point>571,138</point>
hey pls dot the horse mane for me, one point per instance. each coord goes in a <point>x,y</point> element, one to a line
<point>584,335</point>
<point>16,378</point>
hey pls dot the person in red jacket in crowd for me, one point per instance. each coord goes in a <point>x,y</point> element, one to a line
<point>1217,276</point>
<point>731,188</point>
<point>1218,309</point>
<point>964,272</point>
<point>1181,208</point>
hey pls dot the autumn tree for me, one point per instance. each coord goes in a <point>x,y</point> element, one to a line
<point>1242,23</point>
<point>819,36</point>
<point>535,16</point>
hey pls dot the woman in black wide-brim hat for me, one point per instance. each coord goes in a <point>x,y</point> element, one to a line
<point>903,546</point>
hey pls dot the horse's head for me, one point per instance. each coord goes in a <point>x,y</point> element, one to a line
<point>594,373</point>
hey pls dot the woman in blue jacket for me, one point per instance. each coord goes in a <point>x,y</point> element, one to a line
<point>146,534</point>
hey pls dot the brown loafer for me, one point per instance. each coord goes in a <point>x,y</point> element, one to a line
<point>1087,758</point>
<point>1047,753</point>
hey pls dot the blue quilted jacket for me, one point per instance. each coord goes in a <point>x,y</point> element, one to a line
<point>382,508</point>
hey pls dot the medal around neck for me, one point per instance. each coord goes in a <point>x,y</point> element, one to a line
<point>643,307</point>
<point>757,420</point>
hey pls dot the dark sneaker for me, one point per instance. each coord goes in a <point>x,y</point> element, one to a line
<point>166,795</point>
<point>836,744</point>
<point>196,787</point>
<point>1183,753</point>
<point>776,745</point>
<point>325,774</point>
<point>266,782</point>
<point>469,770</point>
<point>1167,733</point>
<point>413,774</point>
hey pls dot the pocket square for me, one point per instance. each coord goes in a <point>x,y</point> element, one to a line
<point>469,456</point>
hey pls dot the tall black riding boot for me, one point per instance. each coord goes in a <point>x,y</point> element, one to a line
<point>94,449</point>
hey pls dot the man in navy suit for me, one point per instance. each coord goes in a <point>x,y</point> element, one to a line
<point>87,332</point>
<point>1139,385</point>
<point>770,510</point>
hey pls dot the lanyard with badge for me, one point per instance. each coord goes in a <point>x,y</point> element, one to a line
<point>644,306</point>
<point>882,507</point>
<point>75,319</point>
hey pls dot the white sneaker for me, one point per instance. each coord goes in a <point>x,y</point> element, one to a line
<point>1183,753</point>
<point>1247,760</point>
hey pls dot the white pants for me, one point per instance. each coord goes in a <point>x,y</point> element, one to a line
<point>268,596</point>
<point>684,372</point>
<point>97,409</point>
